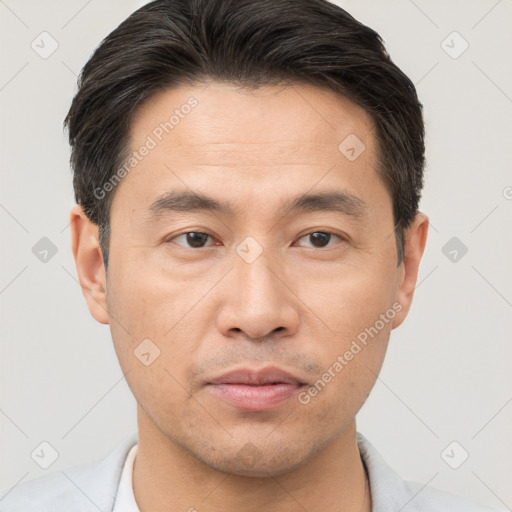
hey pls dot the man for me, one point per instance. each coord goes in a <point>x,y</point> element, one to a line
<point>248,174</point>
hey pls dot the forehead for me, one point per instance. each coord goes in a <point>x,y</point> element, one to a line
<point>288,124</point>
<point>245,144</point>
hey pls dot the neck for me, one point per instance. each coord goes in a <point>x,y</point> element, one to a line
<point>166,477</point>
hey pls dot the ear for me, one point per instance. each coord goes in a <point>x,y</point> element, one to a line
<point>415,238</point>
<point>89,263</point>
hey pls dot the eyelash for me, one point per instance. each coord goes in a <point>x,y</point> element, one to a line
<point>342,238</point>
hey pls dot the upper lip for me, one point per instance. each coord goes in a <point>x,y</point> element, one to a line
<point>264,376</point>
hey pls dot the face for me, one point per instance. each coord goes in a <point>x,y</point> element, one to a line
<point>230,252</point>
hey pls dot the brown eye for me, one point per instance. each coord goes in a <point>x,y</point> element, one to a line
<point>193,239</point>
<point>320,239</point>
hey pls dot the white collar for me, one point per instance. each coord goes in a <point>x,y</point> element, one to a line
<point>125,499</point>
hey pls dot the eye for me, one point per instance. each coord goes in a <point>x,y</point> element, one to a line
<point>320,239</point>
<point>192,239</point>
<point>198,240</point>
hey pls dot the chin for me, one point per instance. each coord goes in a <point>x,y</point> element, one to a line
<point>262,468</point>
<point>263,461</point>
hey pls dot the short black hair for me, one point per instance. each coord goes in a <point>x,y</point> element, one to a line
<point>250,43</point>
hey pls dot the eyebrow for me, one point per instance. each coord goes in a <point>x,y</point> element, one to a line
<point>334,201</point>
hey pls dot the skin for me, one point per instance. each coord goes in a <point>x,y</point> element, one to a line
<point>209,311</point>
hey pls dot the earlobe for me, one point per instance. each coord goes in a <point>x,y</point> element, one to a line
<point>415,238</point>
<point>89,263</point>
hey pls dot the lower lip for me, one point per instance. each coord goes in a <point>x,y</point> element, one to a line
<point>255,398</point>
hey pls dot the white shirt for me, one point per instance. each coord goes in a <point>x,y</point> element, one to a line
<point>125,499</point>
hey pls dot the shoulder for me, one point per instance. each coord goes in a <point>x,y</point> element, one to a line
<point>83,488</point>
<point>390,492</point>
<point>429,499</point>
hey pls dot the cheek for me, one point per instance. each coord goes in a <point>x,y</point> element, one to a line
<point>350,299</point>
<point>152,346</point>
<point>350,368</point>
<point>148,302</point>
<point>155,320</point>
<point>356,310</point>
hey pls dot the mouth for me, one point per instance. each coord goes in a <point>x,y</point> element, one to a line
<point>260,390</point>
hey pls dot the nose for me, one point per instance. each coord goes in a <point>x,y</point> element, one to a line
<point>258,301</point>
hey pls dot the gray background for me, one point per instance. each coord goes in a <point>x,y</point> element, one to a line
<point>447,373</point>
